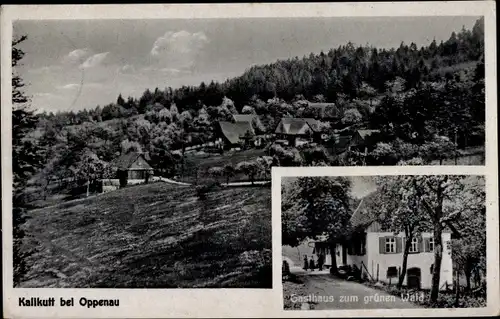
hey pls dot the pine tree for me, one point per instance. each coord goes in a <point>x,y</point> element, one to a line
<point>25,158</point>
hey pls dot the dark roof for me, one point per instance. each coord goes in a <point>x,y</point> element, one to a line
<point>333,110</point>
<point>343,144</point>
<point>361,217</point>
<point>244,117</point>
<point>234,131</point>
<point>365,133</point>
<point>126,160</point>
<point>292,126</point>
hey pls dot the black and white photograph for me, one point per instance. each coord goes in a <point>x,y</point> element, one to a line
<point>140,147</point>
<point>375,242</point>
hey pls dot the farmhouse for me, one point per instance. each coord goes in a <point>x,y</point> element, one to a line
<point>298,131</point>
<point>378,253</point>
<point>235,135</point>
<point>133,168</point>
<point>252,118</point>
<point>359,139</point>
<point>254,121</point>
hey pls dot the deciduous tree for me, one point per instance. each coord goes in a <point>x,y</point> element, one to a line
<point>316,206</point>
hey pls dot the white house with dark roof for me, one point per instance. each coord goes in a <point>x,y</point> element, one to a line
<point>378,252</point>
<point>297,131</point>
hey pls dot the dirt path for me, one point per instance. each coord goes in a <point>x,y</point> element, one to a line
<point>327,292</point>
<point>341,294</point>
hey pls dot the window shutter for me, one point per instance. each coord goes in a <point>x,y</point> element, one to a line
<point>426,245</point>
<point>398,244</point>
<point>420,244</point>
<point>381,245</point>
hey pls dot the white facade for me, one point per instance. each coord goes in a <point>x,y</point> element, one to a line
<point>420,259</point>
<point>380,257</point>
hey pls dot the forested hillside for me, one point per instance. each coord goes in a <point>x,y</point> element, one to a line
<point>423,100</point>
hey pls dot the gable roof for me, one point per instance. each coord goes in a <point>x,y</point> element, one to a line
<point>125,161</point>
<point>365,133</point>
<point>333,110</point>
<point>363,218</point>
<point>244,117</point>
<point>292,126</point>
<point>234,131</point>
<point>360,217</point>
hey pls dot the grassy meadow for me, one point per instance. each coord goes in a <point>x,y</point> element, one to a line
<point>153,236</point>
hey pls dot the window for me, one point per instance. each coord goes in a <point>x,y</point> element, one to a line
<point>392,272</point>
<point>431,244</point>
<point>390,245</point>
<point>414,245</point>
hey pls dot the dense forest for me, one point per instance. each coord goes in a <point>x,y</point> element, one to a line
<point>425,101</point>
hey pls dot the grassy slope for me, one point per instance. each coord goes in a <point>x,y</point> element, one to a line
<point>169,239</point>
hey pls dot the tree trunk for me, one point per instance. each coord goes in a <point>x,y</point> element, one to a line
<point>333,251</point>
<point>438,255</point>
<point>457,288</point>
<point>438,243</point>
<point>468,275</point>
<point>88,187</point>
<point>402,275</point>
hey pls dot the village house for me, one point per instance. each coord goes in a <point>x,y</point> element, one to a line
<point>235,135</point>
<point>378,253</point>
<point>359,140</point>
<point>133,168</point>
<point>254,121</point>
<point>298,131</point>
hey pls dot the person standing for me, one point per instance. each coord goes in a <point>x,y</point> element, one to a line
<point>312,266</point>
<point>321,261</point>
<point>306,264</point>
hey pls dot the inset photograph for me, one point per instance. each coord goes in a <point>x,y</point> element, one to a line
<point>378,242</point>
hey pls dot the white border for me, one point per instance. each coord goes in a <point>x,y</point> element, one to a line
<point>235,302</point>
<point>492,244</point>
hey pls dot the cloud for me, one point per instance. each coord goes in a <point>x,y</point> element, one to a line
<point>179,49</point>
<point>46,95</point>
<point>126,69</point>
<point>74,86</point>
<point>76,56</point>
<point>70,86</point>
<point>45,69</point>
<point>95,60</point>
<point>173,71</point>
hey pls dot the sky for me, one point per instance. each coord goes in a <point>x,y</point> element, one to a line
<point>361,186</point>
<point>77,64</point>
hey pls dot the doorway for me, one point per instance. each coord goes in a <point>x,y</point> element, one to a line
<point>414,278</point>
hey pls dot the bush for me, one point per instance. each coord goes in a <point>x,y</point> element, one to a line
<point>203,190</point>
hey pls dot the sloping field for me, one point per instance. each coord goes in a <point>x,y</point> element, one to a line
<point>154,236</point>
